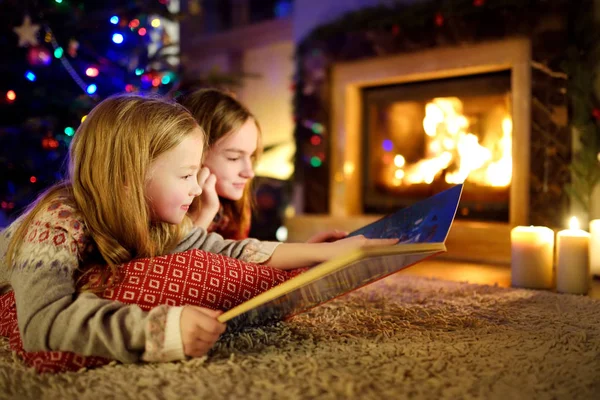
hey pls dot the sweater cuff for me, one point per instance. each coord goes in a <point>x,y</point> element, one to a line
<point>173,345</point>
<point>258,252</point>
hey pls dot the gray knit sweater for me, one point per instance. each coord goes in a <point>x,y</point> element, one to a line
<point>53,316</point>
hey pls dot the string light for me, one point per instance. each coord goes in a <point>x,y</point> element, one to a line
<point>91,89</point>
<point>317,128</point>
<point>315,161</point>
<point>30,76</point>
<point>92,72</point>
<point>6,204</point>
<point>114,20</point>
<point>69,131</point>
<point>33,179</point>
<point>11,95</point>
<point>155,23</point>
<point>388,145</point>
<point>139,71</point>
<point>58,52</point>
<point>117,38</point>
<point>142,31</point>
<point>134,23</point>
<point>66,63</point>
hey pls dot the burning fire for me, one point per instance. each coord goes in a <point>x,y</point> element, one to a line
<point>452,149</point>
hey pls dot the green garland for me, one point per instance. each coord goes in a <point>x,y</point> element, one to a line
<point>583,63</point>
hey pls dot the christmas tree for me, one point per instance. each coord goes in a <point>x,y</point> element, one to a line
<point>59,59</point>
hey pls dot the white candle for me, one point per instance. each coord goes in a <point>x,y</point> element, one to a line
<point>572,259</point>
<point>532,250</point>
<point>595,247</point>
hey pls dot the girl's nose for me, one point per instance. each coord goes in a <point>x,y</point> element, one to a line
<point>196,190</point>
<point>248,171</point>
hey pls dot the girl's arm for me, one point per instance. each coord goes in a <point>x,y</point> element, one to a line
<point>297,255</point>
<point>274,254</point>
<point>52,316</point>
<point>247,250</point>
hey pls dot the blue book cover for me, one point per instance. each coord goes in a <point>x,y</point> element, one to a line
<point>427,221</point>
<point>422,229</point>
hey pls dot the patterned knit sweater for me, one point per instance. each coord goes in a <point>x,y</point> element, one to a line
<point>52,315</point>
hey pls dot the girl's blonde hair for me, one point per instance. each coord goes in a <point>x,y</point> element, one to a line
<point>109,159</point>
<point>219,114</point>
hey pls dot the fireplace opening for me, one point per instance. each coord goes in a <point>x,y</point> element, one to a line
<point>423,137</point>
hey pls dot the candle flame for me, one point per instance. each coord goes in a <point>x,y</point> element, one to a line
<point>573,223</point>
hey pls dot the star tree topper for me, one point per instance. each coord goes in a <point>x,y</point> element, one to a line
<point>27,33</point>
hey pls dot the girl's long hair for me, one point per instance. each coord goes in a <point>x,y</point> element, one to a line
<point>219,114</point>
<point>109,158</point>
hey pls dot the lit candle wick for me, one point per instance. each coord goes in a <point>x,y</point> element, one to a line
<point>573,223</point>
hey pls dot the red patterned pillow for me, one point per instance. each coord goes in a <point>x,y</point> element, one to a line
<point>194,277</point>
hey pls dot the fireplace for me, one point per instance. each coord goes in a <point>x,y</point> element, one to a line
<point>420,138</point>
<point>485,88</point>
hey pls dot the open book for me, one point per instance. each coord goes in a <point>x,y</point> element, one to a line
<point>422,229</point>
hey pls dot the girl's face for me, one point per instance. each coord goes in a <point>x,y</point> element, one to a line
<point>172,180</point>
<point>231,159</point>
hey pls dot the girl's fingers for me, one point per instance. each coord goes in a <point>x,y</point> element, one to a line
<point>380,242</point>
<point>198,348</point>
<point>203,175</point>
<point>209,312</point>
<point>211,181</point>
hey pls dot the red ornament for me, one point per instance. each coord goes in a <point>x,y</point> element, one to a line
<point>596,113</point>
<point>439,19</point>
<point>478,3</point>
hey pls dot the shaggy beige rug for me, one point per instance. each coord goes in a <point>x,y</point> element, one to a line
<point>403,337</point>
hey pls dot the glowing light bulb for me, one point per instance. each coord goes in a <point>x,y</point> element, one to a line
<point>117,38</point>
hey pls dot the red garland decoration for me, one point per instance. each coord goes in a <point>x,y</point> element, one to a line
<point>439,19</point>
<point>596,113</point>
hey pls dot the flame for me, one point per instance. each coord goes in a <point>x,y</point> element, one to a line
<point>574,223</point>
<point>452,149</point>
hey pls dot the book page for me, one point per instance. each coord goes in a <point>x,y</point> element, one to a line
<point>353,276</point>
<point>424,224</point>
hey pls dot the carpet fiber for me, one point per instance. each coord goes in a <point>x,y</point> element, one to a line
<point>403,337</point>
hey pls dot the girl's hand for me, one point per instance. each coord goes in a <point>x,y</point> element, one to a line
<point>327,236</point>
<point>204,207</point>
<point>200,330</point>
<point>342,246</point>
<point>209,198</point>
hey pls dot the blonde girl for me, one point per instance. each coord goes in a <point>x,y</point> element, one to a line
<point>133,167</point>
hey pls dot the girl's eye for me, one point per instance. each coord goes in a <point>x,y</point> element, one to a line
<point>187,176</point>
<point>233,159</point>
